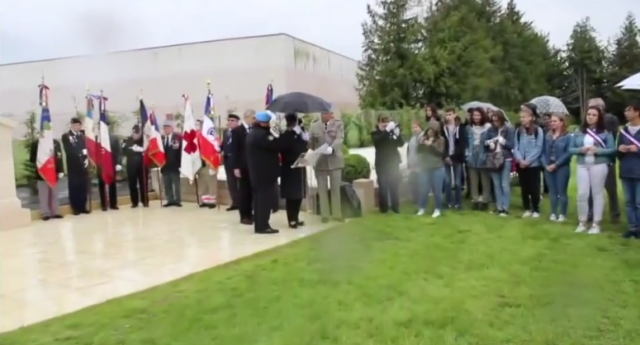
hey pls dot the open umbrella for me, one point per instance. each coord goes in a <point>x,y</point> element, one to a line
<point>549,104</point>
<point>299,102</point>
<point>478,104</point>
<point>631,83</point>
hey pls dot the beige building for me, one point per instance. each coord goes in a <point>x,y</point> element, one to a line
<point>239,70</point>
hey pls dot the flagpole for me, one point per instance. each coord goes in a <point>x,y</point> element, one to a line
<point>106,186</point>
<point>89,177</point>
<point>211,114</point>
<point>145,176</point>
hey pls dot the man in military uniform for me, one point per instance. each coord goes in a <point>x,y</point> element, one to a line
<point>233,121</point>
<point>48,195</point>
<point>329,132</point>
<point>137,171</point>
<point>75,149</point>
<point>263,163</point>
<point>109,191</point>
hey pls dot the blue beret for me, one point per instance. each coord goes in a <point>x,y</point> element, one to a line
<point>263,116</point>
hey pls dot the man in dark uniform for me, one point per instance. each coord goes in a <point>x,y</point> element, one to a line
<point>263,162</point>
<point>48,195</point>
<point>240,168</point>
<point>232,182</point>
<point>172,143</point>
<point>109,190</point>
<point>293,181</point>
<point>75,149</point>
<point>137,172</point>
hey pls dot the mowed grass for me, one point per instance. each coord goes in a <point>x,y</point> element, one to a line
<point>466,278</point>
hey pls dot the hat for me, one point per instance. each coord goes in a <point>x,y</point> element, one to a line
<point>533,108</point>
<point>263,116</point>
<point>135,129</point>
<point>75,120</point>
<point>233,116</point>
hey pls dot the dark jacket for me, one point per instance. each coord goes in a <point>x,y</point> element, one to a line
<point>263,157</point>
<point>225,146</point>
<point>173,153</point>
<point>134,159</point>
<point>507,132</point>
<point>75,149</point>
<point>57,152</point>
<point>238,151</point>
<point>629,161</point>
<point>459,143</point>
<point>386,145</point>
<point>293,181</point>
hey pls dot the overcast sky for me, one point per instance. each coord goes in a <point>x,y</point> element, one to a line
<point>43,29</point>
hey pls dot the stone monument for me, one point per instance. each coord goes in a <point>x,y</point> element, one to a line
<point>12,215</point>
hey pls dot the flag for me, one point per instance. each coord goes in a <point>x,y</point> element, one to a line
<point>268,98</point>
<point>208,139</point>
<point>190,161</point>
<point>88,125</point>
<point>153,148</point>
<point>46,157</point>
<point>105,160</point>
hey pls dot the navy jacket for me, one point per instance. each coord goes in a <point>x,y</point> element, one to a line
<point>629,161</point>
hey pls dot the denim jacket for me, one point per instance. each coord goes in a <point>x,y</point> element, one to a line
<point>602,154</point>
<point>556,151</point>
<point>528,148</point>
<point>629,161</point>
<point>507,132</point>
<point>474,153</point>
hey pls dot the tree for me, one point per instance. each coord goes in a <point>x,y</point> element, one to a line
<point>387,72</point>
<point>623,62</point>
<point>29,171</point>
<point>585,58</point>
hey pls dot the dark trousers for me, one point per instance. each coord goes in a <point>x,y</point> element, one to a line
<point>245,195</point>
<point>262,206</point>
<point>388,188</point>
<point>107,191</point>
<point>530,179</point>
<point>293,209</point>
<point>78,187</point>
<point>232,185</point>
<point>138,185</point>
<point>611,186</point>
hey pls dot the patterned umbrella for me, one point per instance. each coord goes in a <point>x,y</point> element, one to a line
<point>549,104</point>
<point>478,104</point>
<point>631,83</point>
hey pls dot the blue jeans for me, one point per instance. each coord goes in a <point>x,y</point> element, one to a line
<point>558,184</point>
<point>453,190</point>
<point>502,185</point>
<point>431,181</point>
<point>632,194</point>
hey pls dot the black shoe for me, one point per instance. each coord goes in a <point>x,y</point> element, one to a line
<point>232,208</point>
<point>212,206</point>
<point>293,225</point>
<point>145,205</point>
<point>115,208</point>
<point>475,206</point>
<point>57,216</point>
<point>85,212</point>
<point>76,213</point>
<point>631,234</point>
<point>134,205</point>
<point>169,204</point>
<point>299,223</point>
<point>325,220</point>
<point>246,221</point>
<point>203,205</point>
<point>177,204</point>
<point>274,210</point>
<point>45,218</point>
<point>104,209</point>
<point>497,211</point>
<point>268,231</point>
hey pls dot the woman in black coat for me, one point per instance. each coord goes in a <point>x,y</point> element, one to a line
<point>293,181</point>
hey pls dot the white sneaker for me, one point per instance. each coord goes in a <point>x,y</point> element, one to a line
<point>526,214</point>
<point>535,215</point>
<point>436,213</point>
<point>595,229</point>
<point>581,228</point>
<point>420,212</point>
<point>562,218</point>
<point>553,218</point>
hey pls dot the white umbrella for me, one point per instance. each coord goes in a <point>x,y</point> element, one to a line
<point>631,83</point>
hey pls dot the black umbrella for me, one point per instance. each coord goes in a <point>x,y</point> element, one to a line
<point>299,102</point>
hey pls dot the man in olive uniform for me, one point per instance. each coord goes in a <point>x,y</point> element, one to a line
<point>263,163</point>
<point>328,131</point>
<point>75,149</point>
<point>137,172</point>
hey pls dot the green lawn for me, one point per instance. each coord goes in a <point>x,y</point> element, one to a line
<point>468,278</point>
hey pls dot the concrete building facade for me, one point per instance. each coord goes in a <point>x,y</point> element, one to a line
<point>239,71</point>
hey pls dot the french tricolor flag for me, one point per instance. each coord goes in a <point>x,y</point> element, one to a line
<point>46,159</point>
<point>104,145</point>
<point>153,148</point>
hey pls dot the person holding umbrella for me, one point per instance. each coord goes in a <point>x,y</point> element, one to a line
<point>263,148</point>
<point>293,181</point>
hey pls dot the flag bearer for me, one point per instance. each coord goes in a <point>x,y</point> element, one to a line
<point>75,149</point>
<point>47,195</point>
<point>207,179</point>
<point>137,173</point>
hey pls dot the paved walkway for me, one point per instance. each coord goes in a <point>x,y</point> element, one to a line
<point>57,267</point>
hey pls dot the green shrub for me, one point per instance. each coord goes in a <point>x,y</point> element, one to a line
<point>345,150</point>
<point>355,167</point>
<point>29,171</point>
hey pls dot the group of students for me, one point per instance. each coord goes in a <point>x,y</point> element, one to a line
<point>485,150</point>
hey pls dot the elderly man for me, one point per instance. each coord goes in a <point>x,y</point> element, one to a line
<point>238,156</point>
<point>329,132</point>
<point>232,182</point>
<point>172,144</point>
<point>611,184</point>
